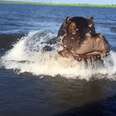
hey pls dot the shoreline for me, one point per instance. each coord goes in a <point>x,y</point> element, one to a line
<point>59,4</point>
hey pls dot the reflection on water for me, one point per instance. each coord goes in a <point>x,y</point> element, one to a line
<point>70,93</point>
<point>80,97</point>
<point>29,95</point>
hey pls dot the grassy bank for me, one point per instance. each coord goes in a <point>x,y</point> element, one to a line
<point>58,4</point>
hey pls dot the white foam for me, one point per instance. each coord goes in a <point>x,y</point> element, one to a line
<point>27,56</point>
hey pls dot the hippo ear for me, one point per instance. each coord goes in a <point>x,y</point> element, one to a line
<point>67,20</point>
<point>91,18</point>
<point>91,25</point>
<point>90,22</point>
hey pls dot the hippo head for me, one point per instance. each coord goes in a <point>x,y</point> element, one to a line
<point>77,26</point>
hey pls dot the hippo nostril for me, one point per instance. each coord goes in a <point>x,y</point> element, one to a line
<point>88,35</point>
<point>77,29</point>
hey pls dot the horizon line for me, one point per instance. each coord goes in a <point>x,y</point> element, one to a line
<point>60,4</point>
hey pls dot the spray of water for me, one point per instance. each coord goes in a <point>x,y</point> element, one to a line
<point>27,55</point>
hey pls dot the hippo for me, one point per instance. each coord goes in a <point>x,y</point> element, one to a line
<point>79,39</point>
<point>77,26</point>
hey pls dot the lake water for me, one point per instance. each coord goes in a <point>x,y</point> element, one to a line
<point>38,83</point>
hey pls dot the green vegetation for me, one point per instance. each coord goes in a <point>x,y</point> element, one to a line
<point>58,4</point>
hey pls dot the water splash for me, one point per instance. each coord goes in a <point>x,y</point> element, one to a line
<point>27,55</point>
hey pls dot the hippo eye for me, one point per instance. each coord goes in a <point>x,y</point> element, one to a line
<point>72,26</point>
